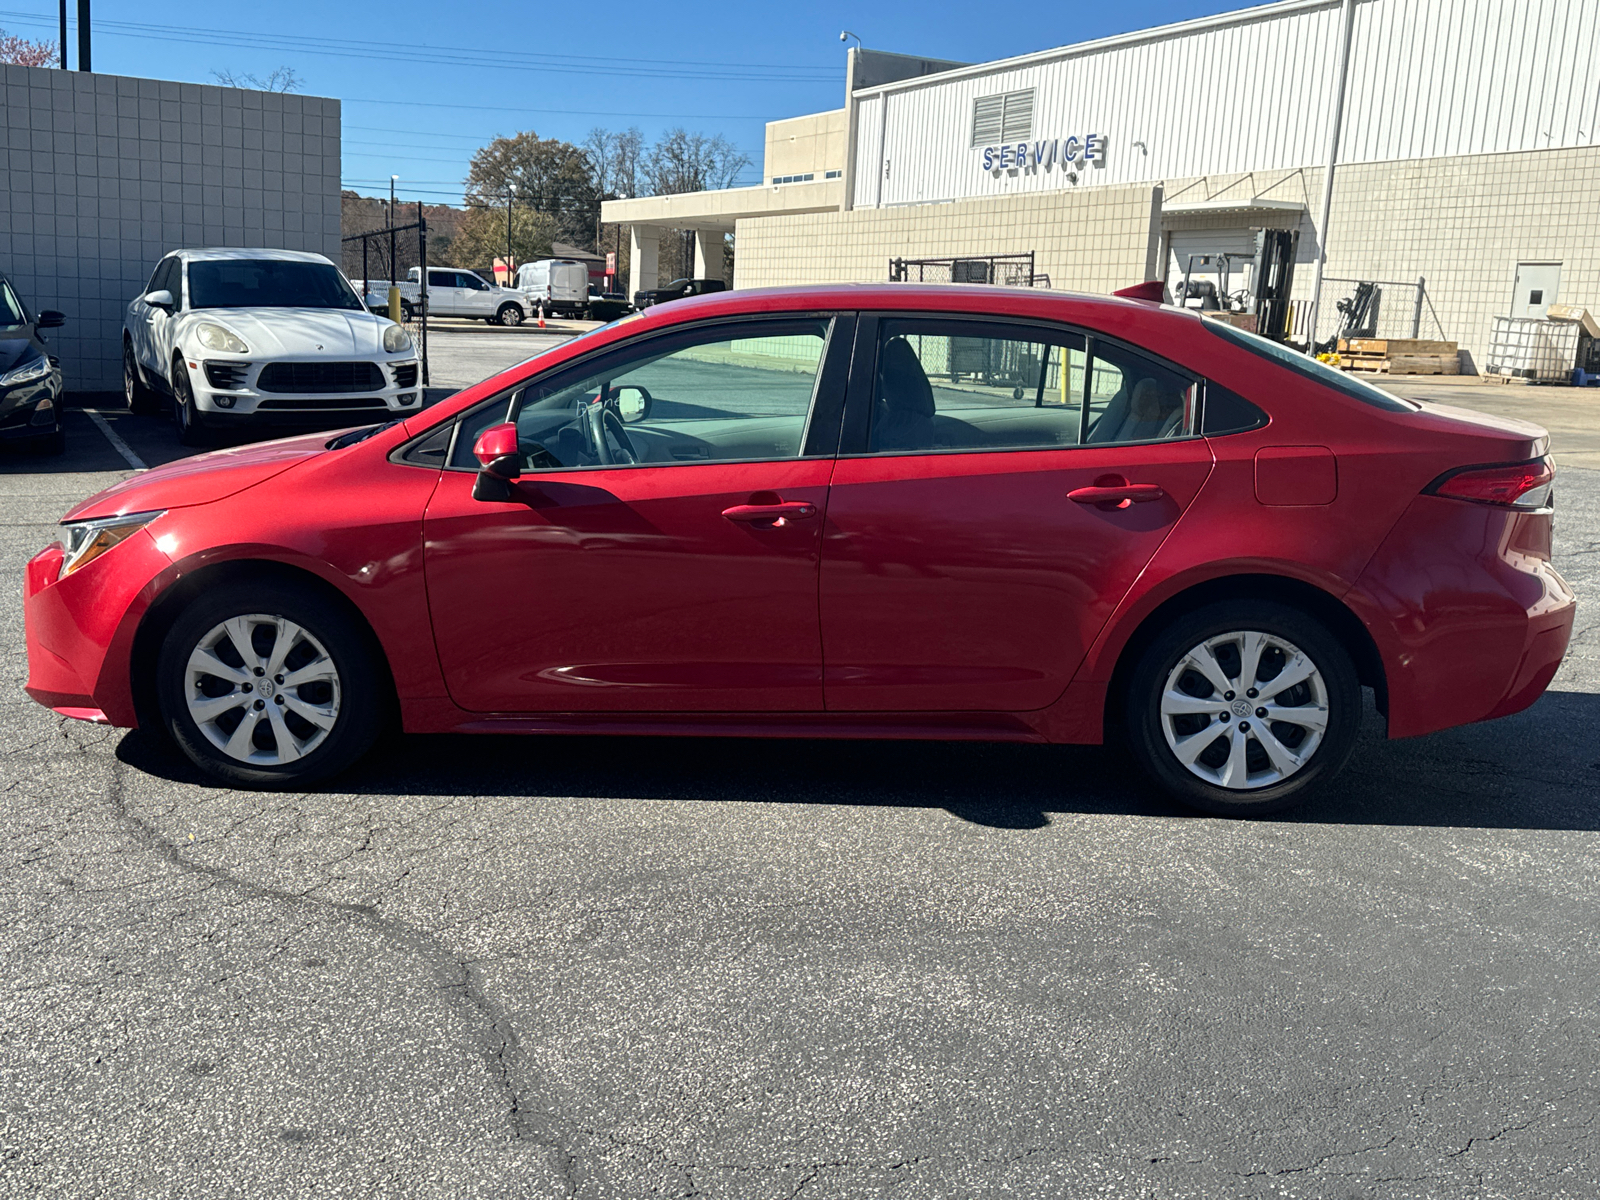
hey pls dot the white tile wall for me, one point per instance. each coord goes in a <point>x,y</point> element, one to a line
<point>106,173</point>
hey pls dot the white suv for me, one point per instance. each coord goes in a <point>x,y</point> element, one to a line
<point>262,337</point>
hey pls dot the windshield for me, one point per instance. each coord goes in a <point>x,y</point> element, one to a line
<point>11,313</point>
<point>268,283</point>
<point>1310,368</point>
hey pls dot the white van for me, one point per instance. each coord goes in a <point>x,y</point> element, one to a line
<point>561,285</point>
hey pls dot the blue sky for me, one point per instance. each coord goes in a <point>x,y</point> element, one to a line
<point>424,84</point>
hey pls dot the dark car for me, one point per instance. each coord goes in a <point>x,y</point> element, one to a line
<point>677,290</point>
<point>30,376</point>
<point>606,306</point>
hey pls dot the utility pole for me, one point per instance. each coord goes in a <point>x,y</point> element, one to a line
<point>508,239</point>
<point>394,282</point>
<point>83,36</point>
<point>1335,125</point>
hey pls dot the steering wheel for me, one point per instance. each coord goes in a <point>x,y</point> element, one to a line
<point>603,426</point>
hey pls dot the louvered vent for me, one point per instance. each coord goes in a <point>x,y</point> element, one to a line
<point>1007,117</point>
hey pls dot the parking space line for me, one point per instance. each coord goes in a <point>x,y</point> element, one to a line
<point>117,444</point>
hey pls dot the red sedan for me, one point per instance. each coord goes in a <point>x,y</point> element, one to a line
<point>861,511</point>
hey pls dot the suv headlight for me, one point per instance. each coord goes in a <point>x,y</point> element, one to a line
<point>88,540</point>
<point>395,339</point>
<point>218,337</point>
<point>27,372</point>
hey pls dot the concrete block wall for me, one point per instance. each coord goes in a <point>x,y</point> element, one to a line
<point>1461,223</point>
<point>1093,239</point>
<point>105,174</point>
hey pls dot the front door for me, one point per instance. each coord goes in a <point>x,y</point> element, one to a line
<point>1011,483</point>
<point>659,552</point>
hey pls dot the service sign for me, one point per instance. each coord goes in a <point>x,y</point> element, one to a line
<point>1046,154</point>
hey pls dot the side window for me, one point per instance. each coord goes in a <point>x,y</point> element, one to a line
<point>707,395</point>
<point>155,276</point>
<point>441,279</point>
<point>164,278</point>
<point>946,384</point>
<point>1135,399</point>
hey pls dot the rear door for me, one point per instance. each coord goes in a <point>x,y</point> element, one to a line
<point>999,488</point>
<point>444,297</point>
<point>659,552</point>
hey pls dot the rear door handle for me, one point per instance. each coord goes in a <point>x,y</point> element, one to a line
<point>1117,495</point>
<point>774,514</point>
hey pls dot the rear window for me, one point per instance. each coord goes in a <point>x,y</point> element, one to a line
<point>1309,368</point>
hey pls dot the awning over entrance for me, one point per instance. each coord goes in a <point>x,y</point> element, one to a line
<point>1249,214</point>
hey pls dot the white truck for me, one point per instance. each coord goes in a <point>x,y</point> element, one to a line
<point>452,292</point>
<point>558,285</point>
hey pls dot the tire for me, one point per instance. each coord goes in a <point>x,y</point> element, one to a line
<point>185,414</point>
<point>1250,766</point>
<point>291,737</point>
<point>142,399</point>
<point>509,315</point>
<point>406,313</point>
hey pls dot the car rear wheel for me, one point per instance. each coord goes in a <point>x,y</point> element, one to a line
<point>141,398</point>
<point>268,686</point>
<point>1243,707</point>
<point>509,315</point>
<point>185,413</point>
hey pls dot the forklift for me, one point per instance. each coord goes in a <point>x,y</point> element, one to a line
<point>1271,279</point>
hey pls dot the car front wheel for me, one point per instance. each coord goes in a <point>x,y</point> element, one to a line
<point>1243,708</point>
<point>509,315</point>
<point>141,399</point>
<point>267,685</point>
<point>185,413</point>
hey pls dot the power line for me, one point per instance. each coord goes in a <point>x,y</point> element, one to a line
<point>474,58</point>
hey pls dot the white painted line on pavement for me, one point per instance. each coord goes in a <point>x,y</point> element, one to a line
<point>117,444</point>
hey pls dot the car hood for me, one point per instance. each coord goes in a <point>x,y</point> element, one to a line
<point>201,479</point>
<point>14,347</point>
<point>298,332</point>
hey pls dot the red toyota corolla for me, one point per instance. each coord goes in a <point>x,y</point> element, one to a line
<point>859,511</point>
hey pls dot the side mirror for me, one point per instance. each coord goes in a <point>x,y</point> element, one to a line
<point>51,319</point>
<point>633,403</point>
<point>496,452</point>
<point>161,299</point>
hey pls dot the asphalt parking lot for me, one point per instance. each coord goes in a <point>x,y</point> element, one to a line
<point>624,968</point>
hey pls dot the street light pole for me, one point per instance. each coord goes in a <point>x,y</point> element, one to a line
<point>83,36</point>
<point>508,239</point>
<point>394,270</point>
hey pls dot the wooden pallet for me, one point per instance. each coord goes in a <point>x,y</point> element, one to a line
<point>1404,364</point>
<point>1386,347</point>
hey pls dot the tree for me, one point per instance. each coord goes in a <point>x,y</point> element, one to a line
<point>282,79</point>
<point>545,175</point>
<point>481,238</point>
<point>691,162</point>
<point>20,52</point>
<point>614,157</point>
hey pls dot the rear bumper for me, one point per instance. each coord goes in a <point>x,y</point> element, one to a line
<point>1470,618</point>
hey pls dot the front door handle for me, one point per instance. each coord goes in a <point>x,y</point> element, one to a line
<point>1112,491</point>
<point>771,515</point>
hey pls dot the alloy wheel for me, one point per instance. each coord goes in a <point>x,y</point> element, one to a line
<point>262,689</point>
<point>1244,710</point>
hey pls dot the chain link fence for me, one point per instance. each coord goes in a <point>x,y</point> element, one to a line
<point>1367,308</point>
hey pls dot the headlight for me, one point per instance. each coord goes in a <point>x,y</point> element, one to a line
<point>217,337</point>
<point>27,372</point>
<point>395,339</point>
<point>88,540</point>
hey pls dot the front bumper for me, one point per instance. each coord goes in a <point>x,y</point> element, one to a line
<point>23,411</point>
<point>227,391</point>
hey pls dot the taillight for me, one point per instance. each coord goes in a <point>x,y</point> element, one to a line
<point>1525,485</point>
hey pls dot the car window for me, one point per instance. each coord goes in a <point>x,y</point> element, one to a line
<point>1135,399</point>
<point>1309,368</point>
<point>441,279</point>
<point>155,276</point>
<point>162,280</point>
<point>268,283</point>
<point>951,384</point>
<point>719,394</point>
<point>12,313</point>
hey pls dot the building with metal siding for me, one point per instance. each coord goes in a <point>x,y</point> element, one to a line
<point>1469,158</point>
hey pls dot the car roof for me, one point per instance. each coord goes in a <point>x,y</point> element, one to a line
<point>224,253</point>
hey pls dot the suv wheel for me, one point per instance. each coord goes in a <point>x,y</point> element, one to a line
<point>184,411</point>
<point>268,685</point>
<point>1243,707</point>
<point>509,315</point>
<point>141,398</point>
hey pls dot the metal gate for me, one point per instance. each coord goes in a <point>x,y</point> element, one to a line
<point>387,252</point>
<point>1003,270</point>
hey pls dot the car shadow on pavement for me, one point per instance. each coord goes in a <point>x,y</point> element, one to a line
<point>1536,770</point>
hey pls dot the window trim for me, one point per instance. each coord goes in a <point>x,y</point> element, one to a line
<point>864,372</point>
<point>815,438</point>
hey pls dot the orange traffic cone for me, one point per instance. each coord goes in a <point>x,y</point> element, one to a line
<point>541,316</point>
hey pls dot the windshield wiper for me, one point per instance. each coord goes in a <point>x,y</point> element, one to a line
<point>358,435</point>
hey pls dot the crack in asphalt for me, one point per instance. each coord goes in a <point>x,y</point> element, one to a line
<point>497,1041</point>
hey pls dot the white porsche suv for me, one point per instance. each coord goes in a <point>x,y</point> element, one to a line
<point>262,337</point>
